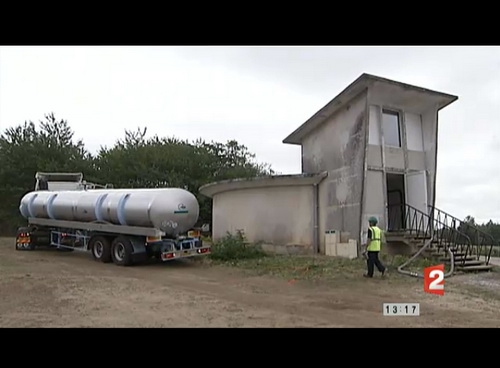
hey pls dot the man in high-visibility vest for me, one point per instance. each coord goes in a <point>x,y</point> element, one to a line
<point>373,248</point>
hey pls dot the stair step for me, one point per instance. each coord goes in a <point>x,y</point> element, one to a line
<point>456,255</point>
<point>395,233</point>
<point>434,247</point>
<point>459,259</point>
<point>482,267</point>
<point>468,263</point>
<point>467,259</point>
<point>454,250</point>
<point>407,234</point>
<point>437,245</point>
<point>395,238</point>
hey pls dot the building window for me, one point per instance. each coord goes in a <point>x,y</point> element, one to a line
<point>392,131</point>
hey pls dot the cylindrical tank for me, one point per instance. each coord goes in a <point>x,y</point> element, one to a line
<point>172,210</point>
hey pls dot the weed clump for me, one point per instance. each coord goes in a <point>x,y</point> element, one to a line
<point>235,247</point>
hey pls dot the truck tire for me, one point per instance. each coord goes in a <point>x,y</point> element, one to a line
<point>40,236</point>
<point>100,249</point>
<point>121,251</point>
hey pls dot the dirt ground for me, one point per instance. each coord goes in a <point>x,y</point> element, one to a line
<point>48,288</point>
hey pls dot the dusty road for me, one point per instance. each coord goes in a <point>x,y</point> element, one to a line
<point>47,288</point>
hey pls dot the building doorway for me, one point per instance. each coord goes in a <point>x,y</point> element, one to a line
<point>396,199</point>
<point>407,193</point>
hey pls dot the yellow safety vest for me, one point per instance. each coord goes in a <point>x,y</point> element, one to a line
<point>376,239</point>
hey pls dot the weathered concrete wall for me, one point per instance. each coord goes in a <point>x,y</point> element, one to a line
<point>415,141</point>
<point>414,135</point>
<point>418,138</point>
<point>429,125</point>
<point>374,135</point>
<point>374,156</point>
<point>281,215</point>
<point>394,158</point>
<point>337,147</point>
<point>374,202</point>
<point>416,160</point>
<point>419,110</point>
<point>396,97</point>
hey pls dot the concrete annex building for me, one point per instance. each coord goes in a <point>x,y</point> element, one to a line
<point>372,146</point>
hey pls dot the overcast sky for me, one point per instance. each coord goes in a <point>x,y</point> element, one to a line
<point>258,95</point>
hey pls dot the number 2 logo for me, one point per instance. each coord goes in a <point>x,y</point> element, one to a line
<point>434,279</point>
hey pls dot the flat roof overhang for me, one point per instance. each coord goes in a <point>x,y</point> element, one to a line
<point>212,189</point>
<point>401,91</point>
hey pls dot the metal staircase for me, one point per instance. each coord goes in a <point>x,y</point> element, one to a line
<point>478,254</point>
<point>442,235</point>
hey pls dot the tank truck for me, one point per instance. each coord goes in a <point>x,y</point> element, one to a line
<point>123,226</point>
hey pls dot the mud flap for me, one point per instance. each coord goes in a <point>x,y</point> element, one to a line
<point>140,253</point>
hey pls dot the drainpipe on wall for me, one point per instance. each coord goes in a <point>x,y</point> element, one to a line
<point>316,238</point>
<point>316,218</point>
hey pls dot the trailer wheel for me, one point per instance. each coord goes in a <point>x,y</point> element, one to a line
<point>100,249</point>
<point>121,251</point>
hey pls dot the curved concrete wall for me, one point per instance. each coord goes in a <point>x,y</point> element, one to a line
<point>279,215</point>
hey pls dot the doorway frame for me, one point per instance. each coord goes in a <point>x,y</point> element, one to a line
<point>402,173</point>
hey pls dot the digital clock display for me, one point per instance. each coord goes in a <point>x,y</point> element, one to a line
<point>401,309</point>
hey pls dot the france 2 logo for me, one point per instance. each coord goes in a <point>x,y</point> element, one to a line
<point>434,279</point>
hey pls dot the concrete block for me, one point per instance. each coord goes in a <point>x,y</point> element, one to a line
<point>331,249</point>
<point>327,243</point>
<point>353,246</point>
<point>333,236</point>
<point>344,237</point>
<point>341,249</point>
<point>327,237</point>
<point>347,250</point>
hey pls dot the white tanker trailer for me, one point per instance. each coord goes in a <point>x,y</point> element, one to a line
<point>125,226</point>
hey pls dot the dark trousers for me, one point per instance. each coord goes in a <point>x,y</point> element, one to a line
<point>373,260</point>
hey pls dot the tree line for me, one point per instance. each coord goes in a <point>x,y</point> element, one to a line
<point>134,161</point>
<point>489,227</point>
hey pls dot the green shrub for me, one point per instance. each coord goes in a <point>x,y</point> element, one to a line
<point>235,247</point>
<point>207,239</point>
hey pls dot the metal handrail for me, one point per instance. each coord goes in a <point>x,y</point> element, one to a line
<point>480,238</point>
<point>421,224</point>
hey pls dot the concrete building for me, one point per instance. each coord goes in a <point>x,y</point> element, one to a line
<point>370,148</point>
